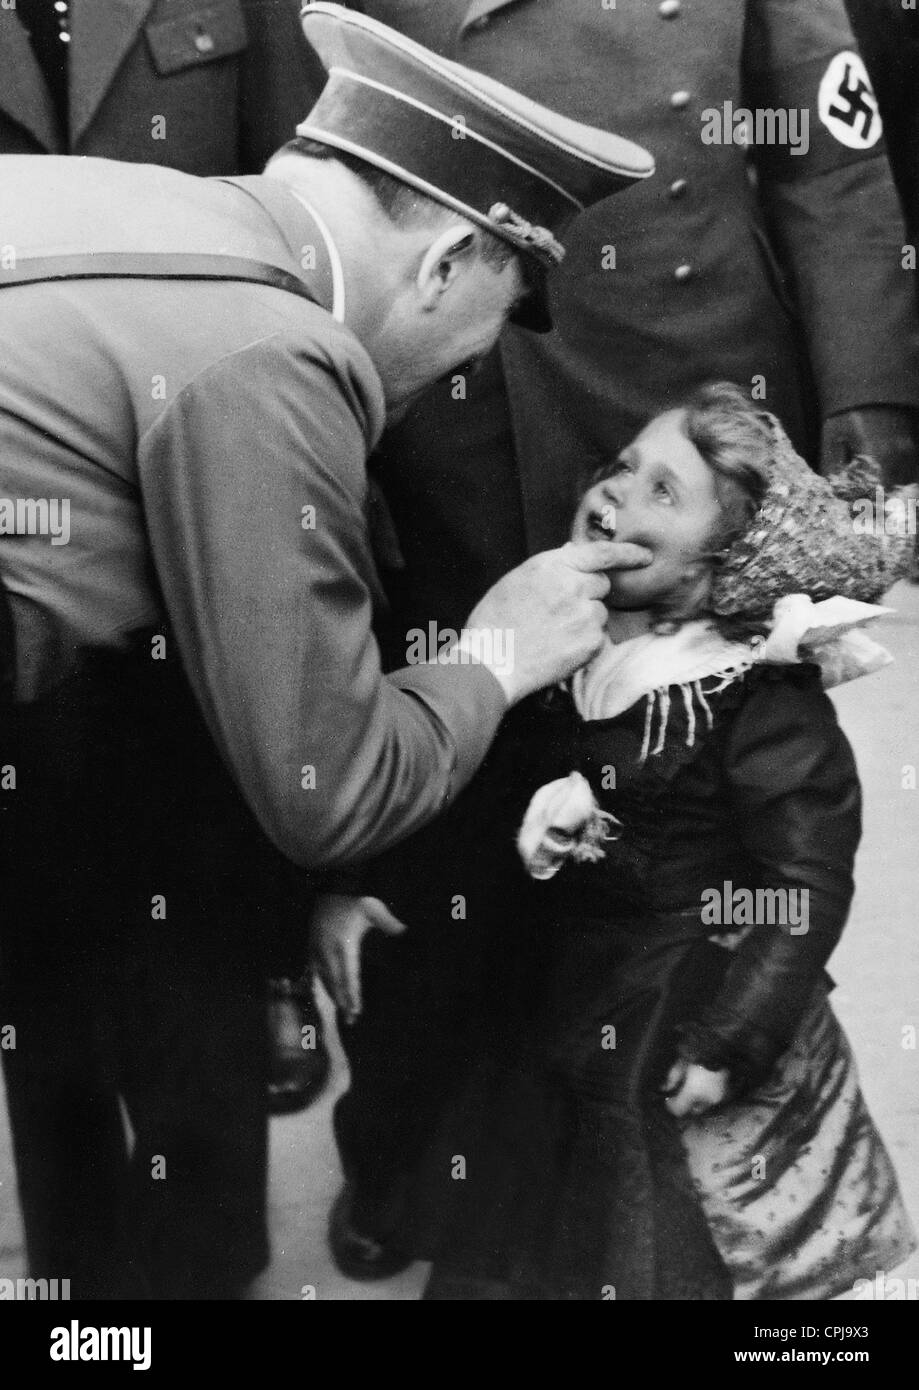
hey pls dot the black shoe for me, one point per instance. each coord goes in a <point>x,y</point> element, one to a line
<point>358,1255</point>
<point>297,1071</point>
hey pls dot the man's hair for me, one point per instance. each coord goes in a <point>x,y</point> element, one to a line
<point>403,205</point>
<point>736,443</point>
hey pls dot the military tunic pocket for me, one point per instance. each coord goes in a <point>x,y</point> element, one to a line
<point>196,35</point>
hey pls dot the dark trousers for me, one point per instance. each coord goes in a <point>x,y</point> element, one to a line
<point>138,909</point>
<point>411,1048</point>
<point>431,995</point>
<point>178,1043</point>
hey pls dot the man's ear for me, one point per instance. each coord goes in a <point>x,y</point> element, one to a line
<point>443,261</point>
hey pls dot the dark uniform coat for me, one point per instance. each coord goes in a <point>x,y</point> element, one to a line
<point>206,86</point>
<point>208,586</point>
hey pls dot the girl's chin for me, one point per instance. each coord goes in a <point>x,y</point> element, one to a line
<point>631,587</point>
<point>628,605</point>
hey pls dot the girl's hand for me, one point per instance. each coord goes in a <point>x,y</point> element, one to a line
<point>691,1089</point>
<point>339,924</point>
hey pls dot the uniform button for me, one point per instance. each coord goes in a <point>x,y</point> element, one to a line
<point>482,22</point>
<point>682,273</point>
<point>204,43</point>
<point>669,9</point>
<point>678,188</point>
<point>679,100</point>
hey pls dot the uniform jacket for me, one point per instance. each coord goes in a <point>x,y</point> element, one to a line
<point>207,86</point>
<point>210,440</point>
<point>697,291</point>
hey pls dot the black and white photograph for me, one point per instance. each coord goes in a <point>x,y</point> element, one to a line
<point>459,659</point>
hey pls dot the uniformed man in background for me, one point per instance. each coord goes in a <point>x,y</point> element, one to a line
<point>206,86</point>
<point>192,373</point>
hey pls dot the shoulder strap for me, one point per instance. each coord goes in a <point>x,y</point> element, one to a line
<point>157,265</point>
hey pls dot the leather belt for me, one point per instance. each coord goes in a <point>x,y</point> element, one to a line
<point>153,265</point>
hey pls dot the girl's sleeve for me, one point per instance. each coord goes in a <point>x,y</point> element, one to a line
<point>796,802</point>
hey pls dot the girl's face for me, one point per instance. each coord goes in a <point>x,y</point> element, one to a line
<point>659,493</point>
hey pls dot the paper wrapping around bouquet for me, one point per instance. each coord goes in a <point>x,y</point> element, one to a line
<point>804,539</point>
<point>830,634</point>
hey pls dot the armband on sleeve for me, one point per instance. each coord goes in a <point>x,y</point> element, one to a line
<point>813,117</point>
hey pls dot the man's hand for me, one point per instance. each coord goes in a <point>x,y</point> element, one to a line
<point>889,434</point>
<point>691,1089</point>
<point>549,612</point>
<point>339,924</point>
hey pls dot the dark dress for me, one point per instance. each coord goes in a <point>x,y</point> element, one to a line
<point>559,1173</point>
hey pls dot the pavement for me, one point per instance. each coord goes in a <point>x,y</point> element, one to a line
<point>876,968</point>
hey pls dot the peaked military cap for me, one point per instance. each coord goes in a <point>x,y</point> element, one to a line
<point>503,161</point>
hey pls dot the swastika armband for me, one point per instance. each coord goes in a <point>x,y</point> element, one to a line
<point>833,102</point>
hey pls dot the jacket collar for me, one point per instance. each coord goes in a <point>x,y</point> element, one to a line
<point>102,35</point>
<point>299,230</point>
<point>23,94</point>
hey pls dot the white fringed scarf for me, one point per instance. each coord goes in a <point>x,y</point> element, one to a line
<point>651,665</point>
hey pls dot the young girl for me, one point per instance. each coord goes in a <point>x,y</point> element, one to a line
<point>665,1107</point>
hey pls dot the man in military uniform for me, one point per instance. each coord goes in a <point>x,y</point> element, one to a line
<point>209,89</point>
<point>193,372</point>
<point>774,266</point>
<point>206,86</point>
